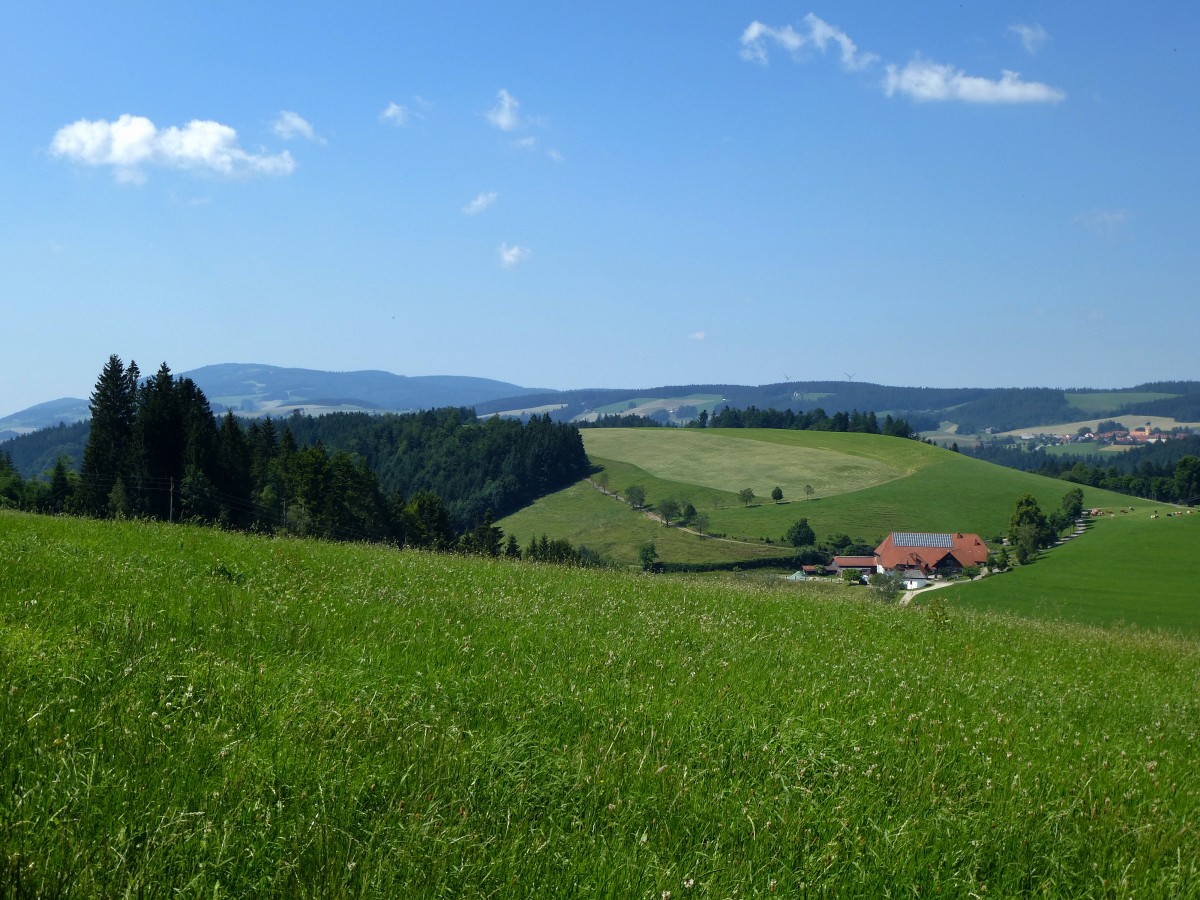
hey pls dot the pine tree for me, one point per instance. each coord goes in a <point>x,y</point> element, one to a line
<point>11,483</point>
<point>108,455</point>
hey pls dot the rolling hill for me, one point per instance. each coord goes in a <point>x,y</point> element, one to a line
<point>863,486</point>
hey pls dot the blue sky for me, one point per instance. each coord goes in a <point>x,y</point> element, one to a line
<point>620,195</point>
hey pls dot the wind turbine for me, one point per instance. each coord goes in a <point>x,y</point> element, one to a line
<point>850,375</point>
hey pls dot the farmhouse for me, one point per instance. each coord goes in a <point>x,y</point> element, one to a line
<point>920,552</point>
<point>864,565</point>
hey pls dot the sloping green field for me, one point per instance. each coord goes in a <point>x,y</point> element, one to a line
<point>731,459</point>
<point>864,486</point>
<point>1128,568</point>
<point>192,713</point>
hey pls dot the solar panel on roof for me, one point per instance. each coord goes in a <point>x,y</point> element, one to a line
<point>918,539</point>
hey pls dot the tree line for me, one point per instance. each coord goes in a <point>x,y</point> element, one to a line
<point>434,479</point>
<point>753,417</point>
<point>1167,472</point>
<point>813,420</point>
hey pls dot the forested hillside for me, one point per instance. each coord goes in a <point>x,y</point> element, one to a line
<point>154,449</point>
<point>1167,472</point>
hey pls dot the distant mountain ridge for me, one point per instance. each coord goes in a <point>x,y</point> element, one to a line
<point>258,389</point>
<point>251,389</point>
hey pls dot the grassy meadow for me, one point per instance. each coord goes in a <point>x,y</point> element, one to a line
<point>863,485</point>
<point>193,713</point>
<point>1127,569</point>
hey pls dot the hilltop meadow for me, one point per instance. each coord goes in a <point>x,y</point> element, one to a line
<point>190,712</point>
<point>863,485</point>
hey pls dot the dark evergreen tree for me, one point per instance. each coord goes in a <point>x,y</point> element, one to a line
<point>174,435</point>
<point>60,497</point>
<point>233,476</point>
<point>430,523</point>
<point>11,483</point>
<point>108,454</point>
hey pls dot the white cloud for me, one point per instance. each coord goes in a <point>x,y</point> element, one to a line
<point>525,143</point>
<point>1103,222</point>
<point>504,114</point>
<point>919,79</point>
<point>289,125</point>
<point>925,80</point>
<point>814,32</point>
<point>554,154</point>
<point>1032,36</point>
<point>480,203</point>
<point>395,114</point>
<point>132,142</point>
<point>696,336</point>
<point>511,257</point>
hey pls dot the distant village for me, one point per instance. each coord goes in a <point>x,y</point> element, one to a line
<point>1106,436</point>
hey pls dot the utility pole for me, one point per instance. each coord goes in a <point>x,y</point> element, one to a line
<point>171,513</point>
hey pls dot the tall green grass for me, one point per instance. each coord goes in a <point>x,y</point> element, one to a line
<point>191,713</point>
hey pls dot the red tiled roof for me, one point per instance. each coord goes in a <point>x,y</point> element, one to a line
<point>901,550</point>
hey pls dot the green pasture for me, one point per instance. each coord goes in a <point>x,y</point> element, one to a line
<point>731,459</point>
<point>864,486</point>
<point>1127,569</point>
<point>953,493</point>
<point>192,713</point>
<point>604,523</point>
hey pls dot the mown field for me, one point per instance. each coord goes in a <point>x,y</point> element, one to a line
<point>193,713</point>
<point>1127,569</point>
<point>863,485</point>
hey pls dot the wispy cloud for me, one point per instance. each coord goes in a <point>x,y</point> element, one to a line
<point>1103,222</point>
<point>814,32</point>
<point>395,114</point>
<point>919,79</point>
<point>480,203</point>
<point>511,257</point>
<point>925,80</point>
<point>289,125</point>
<point>504,114</point>
<point>696,336</point>
<point>554,154</point>
<point>1031,36</point>
<point>133,142</point>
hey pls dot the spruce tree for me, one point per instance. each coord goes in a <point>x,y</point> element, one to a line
<point>108,455</point>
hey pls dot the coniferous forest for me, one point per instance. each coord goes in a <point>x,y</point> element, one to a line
<point>433,479</point>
